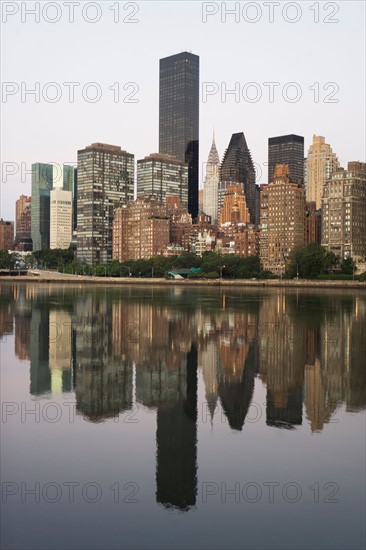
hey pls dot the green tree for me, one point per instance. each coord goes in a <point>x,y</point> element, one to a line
<point>348,266</point>
<point>6,260</point>
<point>187,259</point>
<point>309,261</point>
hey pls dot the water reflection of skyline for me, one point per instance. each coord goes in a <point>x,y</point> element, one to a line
<point>109,347</point>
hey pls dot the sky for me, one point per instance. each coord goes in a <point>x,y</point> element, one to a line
<point>311,52</point>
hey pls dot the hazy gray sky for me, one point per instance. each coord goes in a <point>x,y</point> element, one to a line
<point>324,59</point>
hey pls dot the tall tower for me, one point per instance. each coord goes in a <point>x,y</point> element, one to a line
<point>179,116</point>
<point>237,167</point>
<point>211,184</point>
<point>344,212</point>
<point>23,223</point>
<point>321,162</point>
<point>60,219</point>
<point>234,208</point>
<point>6,235</point>
<point>287,150</point>
<point>163,176</point>
<point>105,179</point>
<point>283,206</point>
<point>42,180</point>
<point>75,201</point>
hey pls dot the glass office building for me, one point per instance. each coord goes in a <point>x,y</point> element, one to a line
<point>105,180</point>
<point>179,116</point>
<point>287,150</point>
<point>42,181</point>
<point>163,176</point>
<point>237,167</point>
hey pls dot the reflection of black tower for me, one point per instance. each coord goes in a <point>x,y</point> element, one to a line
<point>176,441</point>
<point>40,376</point>
<point>236,395</point>
<point>288,414</point>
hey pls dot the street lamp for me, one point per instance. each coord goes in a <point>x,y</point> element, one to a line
<point>221,268</point>
<point>152,271</point>
<point>129,269</point>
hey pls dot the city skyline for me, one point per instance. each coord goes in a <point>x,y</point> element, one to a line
<point>139,130</point>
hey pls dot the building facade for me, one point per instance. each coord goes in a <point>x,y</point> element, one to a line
<point>63,177</point>
<point>60,219</point>
<point>163,176</point>
<point>140,229</point>
<point>42,182</point>
<point>320,164</point>
<point>313,224</point>
<point>287,150</point>
<point>283,206</point>
<point>23,238</point>
<point>211,184</point>
<point>180,223</point>
<point>6,235</point>
<point>237,167</point>
<point>246,240</point>
<point>179,116</point>
<point>234,208</point>
<point>75,201</point>
<point>105,180</point>
<point>344,212</point>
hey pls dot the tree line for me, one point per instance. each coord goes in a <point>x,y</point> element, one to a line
<point>310,261</point>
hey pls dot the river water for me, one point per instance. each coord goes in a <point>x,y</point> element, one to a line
<point>146,417</point>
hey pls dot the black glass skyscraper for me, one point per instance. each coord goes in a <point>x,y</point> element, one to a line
<point>179,116</point>
<point>237,167</point>
<point>287,150</point>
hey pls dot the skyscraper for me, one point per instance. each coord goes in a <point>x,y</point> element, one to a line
<point>283,207</point>
<point>237,167</point>
<point>6,235</point>
<point>63,177</point>
<point>287,150</point>
<point>234,208</point>
<point>60,218</point>
<point>211,184</point>
<point>42,181</point>
<point>321,162</point>
<point>344,212</point>
<point>163,176</point>
<point>105,179</point>
<point>179,116</point>
<point>23,240</point>
<point>75,201</point>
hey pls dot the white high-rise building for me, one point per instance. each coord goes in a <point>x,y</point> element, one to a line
<point>60,218</point>
<point>320,164</point>
<point>211,184</point>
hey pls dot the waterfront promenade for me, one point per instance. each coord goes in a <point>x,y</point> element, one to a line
<point>56,277</point>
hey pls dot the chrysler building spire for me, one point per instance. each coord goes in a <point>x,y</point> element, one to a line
<point>211,184</point>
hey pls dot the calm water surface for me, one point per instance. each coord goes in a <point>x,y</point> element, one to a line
<point>148,417</point>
